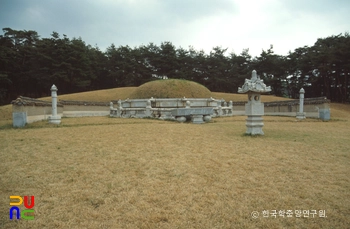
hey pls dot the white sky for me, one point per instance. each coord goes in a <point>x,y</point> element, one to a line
<point>203,24</point>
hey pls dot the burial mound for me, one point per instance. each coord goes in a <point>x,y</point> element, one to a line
<point>170,88</point>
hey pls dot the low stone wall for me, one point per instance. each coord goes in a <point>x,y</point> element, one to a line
<point>312,107</point>
<point>34,109</point>
<point>84,108</point>
<point>238,108</point>
<point>37,110</point>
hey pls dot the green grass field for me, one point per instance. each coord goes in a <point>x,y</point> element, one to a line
<point>101,172</point>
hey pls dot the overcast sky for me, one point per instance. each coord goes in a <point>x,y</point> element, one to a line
<point>203,24</point>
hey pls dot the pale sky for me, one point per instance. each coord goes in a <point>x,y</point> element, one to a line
<point>203,24</point>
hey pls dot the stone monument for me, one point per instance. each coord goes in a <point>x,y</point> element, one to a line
<point>19,119</point>
<point>54,118</point>
<point>301,113</point>
<point>254,109</point>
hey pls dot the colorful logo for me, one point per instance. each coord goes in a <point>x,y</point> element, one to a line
<point>18,211</point>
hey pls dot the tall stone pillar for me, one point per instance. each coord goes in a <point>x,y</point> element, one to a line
<point>301,113</point>
<point>254,109</point>
<point>54,118</point>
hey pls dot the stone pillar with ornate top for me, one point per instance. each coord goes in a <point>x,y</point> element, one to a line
<point>301,113</point>
<point>254,109</point>
<point>54,118</point>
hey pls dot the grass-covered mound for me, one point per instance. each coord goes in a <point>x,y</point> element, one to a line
<point>170,88</point>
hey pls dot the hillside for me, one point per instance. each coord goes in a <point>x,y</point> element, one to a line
<point>170,88</point>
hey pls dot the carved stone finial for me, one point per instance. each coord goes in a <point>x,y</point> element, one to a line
<point>255,84</point>
<point>54,88</point>
<point>254,76</point>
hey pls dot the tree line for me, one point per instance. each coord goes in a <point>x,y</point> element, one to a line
<point>29,65</point>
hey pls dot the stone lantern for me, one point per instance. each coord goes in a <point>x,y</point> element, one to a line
<point>254,109</point>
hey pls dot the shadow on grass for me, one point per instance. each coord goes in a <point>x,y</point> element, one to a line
<point>46,124</point>
<point>252,135</point>
<point>7,126</point>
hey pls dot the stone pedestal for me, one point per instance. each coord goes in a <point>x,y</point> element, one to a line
<point>54,118</point>
<point>197,119</point>
<point>254,109</point>
<point>300,115</point>
<point>254,125</point>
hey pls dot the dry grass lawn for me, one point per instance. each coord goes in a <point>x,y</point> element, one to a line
<point>102,172</point>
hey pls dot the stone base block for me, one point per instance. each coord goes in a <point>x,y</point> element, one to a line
<point>181,119</point>
<point>300,115</point>
<point>55,119</point>
<point>254,125</point>
<point>197,119</point>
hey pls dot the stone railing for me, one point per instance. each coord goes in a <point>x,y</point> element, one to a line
<point>197,110</point>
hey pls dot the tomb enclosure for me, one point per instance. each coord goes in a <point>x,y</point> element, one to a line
<point>27,110</point>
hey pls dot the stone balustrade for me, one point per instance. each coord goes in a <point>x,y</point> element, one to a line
<point>168,108</point>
